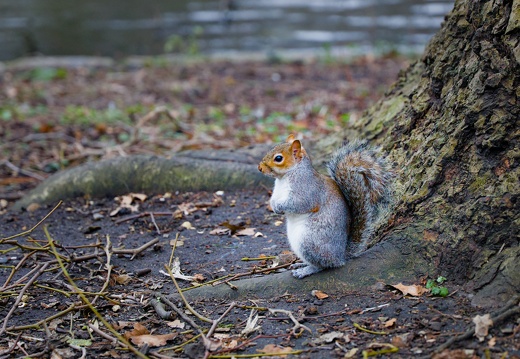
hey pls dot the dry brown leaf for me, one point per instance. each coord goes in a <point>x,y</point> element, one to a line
<point>390,323</point>
<point>275,349</point>
<point>139,329</point>
<point>402,340</point>
<point>122,279</point>
<point>319,294</point>
<point>413,290</point>
<point>152,340</point>
<point>482,324</point>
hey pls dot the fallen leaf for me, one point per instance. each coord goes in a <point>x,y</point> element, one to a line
<point>122,279</point>
<point>319,294</point>
<point>176,324</point>
<point>152,340</point>
<point>278,223</point>
<point>275,349</point>
<point>246,232</point>
<point>139,329</point>
<point>330,337</point>
<point>402,340</point>
<point>482,324</point>
<point>413,290</point>
<point>390,323</point>
<point>220,231</point>
<point>187,225</point>
<point>178,243</point>
<point>258,234</point>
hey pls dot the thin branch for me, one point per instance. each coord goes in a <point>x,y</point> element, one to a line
<point>188,306</point>
<point>29,231</point>
<point>41,269</point>
<point>21,170</point>
<point>297,324</point>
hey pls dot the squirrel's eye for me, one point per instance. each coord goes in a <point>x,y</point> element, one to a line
<point>278,158</point>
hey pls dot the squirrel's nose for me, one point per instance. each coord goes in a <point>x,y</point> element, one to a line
<point>260,168</point>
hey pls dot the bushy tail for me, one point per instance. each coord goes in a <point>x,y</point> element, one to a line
<point>367,184</point>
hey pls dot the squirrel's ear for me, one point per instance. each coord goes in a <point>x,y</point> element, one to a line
<point>290,138</point>
<point>296,149</point>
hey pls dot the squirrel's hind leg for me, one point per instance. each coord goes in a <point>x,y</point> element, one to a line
<point>304,270</point>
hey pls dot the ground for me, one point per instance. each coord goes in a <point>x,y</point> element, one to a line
<point>61,119</point>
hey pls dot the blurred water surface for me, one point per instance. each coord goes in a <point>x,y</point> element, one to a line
<point>136,27</point>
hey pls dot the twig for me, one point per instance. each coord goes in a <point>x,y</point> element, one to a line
<point>143,214</point>
<point>41,269</point>
<point>297,324</point>
<point>368,330</point>
<point>108,266</point>
<point>103,334</point>
<point>22,171</point>
<point>10,349</point>
<point>173,250</point>
<point>188,306</point>
<point>136,251</point>
<point>154,223</point>
<point>206,338</point>
<point>160,310</point>
<point>215,322</point>
<point>29,231</point>
<point>371,353</point>
<point>248,259</point>
<point>52,317</point>
<point>180,313</point>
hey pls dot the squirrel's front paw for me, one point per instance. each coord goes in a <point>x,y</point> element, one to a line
<point>305,271</point>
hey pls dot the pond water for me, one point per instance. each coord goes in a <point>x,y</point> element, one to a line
<point>136,27</point>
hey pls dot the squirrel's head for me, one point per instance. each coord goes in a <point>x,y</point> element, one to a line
<point>282,158</point>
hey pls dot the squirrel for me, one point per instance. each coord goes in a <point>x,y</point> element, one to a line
<point>327,215</point>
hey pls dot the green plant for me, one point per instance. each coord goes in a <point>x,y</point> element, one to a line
<point>435,288</point>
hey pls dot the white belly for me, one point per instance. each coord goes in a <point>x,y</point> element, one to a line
<point>296,228</point>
